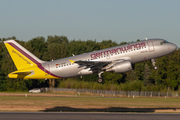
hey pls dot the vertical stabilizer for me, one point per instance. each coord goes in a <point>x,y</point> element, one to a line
<point>21,57</point>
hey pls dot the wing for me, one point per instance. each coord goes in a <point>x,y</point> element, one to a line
<point>90,63</point>
<point>97,65</point>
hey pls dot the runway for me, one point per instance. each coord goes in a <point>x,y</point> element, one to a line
<point>86,116</point>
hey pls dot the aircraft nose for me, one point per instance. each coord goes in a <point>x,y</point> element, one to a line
<point>172,47</point>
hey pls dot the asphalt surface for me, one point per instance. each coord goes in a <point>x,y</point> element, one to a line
<point>86,116</point>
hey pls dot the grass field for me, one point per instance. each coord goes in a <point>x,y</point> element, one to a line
<point>62,102</point>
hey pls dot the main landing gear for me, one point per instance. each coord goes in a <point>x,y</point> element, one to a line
<point>153,61</point>
<point>100,79</point>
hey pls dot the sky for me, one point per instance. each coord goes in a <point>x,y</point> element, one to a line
<point>118,20</point>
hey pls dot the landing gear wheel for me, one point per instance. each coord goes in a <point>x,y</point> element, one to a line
<point>154,63</point>
<point>155,68</point>
<point>100,80</point>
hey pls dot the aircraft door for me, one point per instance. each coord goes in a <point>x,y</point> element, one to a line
<point>46,69</point>
<point>151,46</point>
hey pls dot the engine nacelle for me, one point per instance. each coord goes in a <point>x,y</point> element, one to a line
<point>85,72</point>
<point>121,67</point>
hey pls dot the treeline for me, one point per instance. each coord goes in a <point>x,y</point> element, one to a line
<point>142,77</point>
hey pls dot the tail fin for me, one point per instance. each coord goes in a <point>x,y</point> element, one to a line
<point>21,57</point>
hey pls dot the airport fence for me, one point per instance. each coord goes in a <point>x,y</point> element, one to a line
<point>117,93</point>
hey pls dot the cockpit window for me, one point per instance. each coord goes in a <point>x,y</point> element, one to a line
<point>164,42</point>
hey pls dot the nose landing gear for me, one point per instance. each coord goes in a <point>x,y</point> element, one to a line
<point>153,61</point>
<point>100,79</point>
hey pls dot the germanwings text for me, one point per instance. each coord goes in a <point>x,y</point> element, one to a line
<point>120,49</point>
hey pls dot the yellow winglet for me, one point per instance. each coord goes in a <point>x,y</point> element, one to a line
<point>72,61</point>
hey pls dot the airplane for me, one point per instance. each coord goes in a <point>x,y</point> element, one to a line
<point>117,59</point>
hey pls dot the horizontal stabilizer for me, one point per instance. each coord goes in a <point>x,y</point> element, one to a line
<point>20,74</point>
<point>23,73</point>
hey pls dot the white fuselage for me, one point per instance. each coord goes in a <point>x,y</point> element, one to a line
<point>134,52</point>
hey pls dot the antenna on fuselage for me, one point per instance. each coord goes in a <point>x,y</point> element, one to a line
<point>146,38</point>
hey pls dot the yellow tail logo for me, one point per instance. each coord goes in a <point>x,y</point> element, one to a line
<point>28,66</point>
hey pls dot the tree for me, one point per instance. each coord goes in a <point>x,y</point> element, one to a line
<point>112,77</point>
<point>147,73</point>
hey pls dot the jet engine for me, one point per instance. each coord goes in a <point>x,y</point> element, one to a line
<point>121,67</point>
<point>85,72</point>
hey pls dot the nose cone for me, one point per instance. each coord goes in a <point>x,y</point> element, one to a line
<point>172,47</point>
